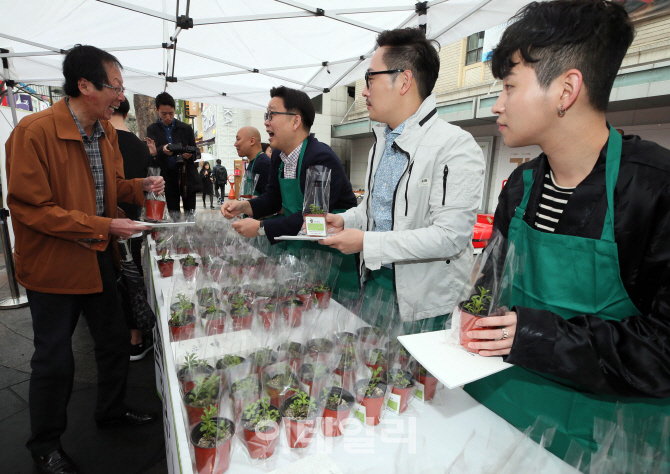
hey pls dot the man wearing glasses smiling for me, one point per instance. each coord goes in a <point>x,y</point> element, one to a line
<point>414,226</point>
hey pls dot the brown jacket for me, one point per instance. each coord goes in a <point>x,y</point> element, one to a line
<point>51,197</point>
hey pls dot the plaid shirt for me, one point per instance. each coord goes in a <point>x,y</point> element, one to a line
<point>291,162</point>
<point>92,147</point>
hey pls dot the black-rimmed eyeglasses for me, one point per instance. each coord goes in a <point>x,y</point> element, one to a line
<point>374,73</point>
<point>268,115</point>
<point>118,90</point>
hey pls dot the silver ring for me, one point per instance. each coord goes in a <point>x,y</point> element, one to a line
<point>504,333</point>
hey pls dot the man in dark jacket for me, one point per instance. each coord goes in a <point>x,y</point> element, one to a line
<point>248,145</point>
<point>589,222</point>
<point>220,180</point>
<point>179,170</point>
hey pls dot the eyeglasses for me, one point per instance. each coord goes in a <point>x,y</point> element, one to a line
<point>374,73</point>
<point>118,90</point>
<point>268,115</point>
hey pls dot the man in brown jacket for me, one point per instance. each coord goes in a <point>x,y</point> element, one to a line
<point>65,177</point>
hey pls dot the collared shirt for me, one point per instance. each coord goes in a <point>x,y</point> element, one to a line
<point>291,162</point>
<point>391,167</point>
<point>92,147</point>
<point>172,163</point>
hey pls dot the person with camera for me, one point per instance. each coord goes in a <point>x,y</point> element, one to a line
<point>176,150</point>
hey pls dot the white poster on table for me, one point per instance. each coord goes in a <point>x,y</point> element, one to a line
<point>508,161</point>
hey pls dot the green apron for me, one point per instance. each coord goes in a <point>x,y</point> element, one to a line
<point>292,202</point>
<point>250,175</point>
<point>589,284</point>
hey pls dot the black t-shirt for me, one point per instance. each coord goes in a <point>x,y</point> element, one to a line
<point>136,159</point>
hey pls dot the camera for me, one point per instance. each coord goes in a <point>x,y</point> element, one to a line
<point>177,149</point>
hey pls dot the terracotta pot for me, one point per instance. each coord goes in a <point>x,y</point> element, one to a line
<point>222,371</point>
<point>242,322</point>
<point>373,405</point>
<point>189,270</point>
<point>155,210</point>
<point>299,433</point>
<point>214,460</point>
<point>278,395</point>
<point>182,250</point>
<point>405,393</point>
<point>213,325</point>
<point>430,385</point>
<point>269,318</point>
<point>182,333</point>
<point>293,314</point>
<point>323,299</point>
<point>468,321</point>
<point>261,445</point>
<point>307,301</point>
<point>156,234</point>
<point>195,413</point>
<point>332,419</point>
<point>166,268</point>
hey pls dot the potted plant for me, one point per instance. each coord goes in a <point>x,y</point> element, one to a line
<point>244,392</point>
<point>216,271</point>
<point>376,359</point>
<point>166,264</point>
<point>181,246</point>
<point>263,296</point>
<point>192,368</point>
<point>205,393</point>
<point>240,298</point>
<point>211,440</point>
<point>402,384</point>
<point>262,358</point>
<point>315,221</point>
<point>395,347</point>
<point>344,339</point>
<point>320,348</point>
<point>323,293</point>
<point>471,311</point>
<point>280,383</point>
<point>155,207</point>
<point>292,352</point>
<point>189,266</point>
<point>213,320</point>
<point>315,376</point>
<point>207,262</point>
<point>242,317</point>
<point>229,360</point>
<point>336,403</point>
<point>293,312</point>
<point>304,294</point>
<point>205,292</point>
<point>182,321</point>
<point>284,293</point>
<point>235,266</point>
<point>428,380</point>
<point>299,413</point>
<point>369,335</point>
<point>260,421</point>
<point>370,394</point>
<point>268,314</point>
<point>345,367</point>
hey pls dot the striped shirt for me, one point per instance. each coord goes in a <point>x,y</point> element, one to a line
<point>92,147</point>
<point>552,203</point>
<point>291,162</point>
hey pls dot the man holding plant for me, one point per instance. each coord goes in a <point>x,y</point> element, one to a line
<point>414,226</point>
<point>589,324</point>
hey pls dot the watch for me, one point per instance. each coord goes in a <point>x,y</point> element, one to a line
<point>261,229</point>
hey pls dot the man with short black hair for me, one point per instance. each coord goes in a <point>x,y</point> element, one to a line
<point>182,178</point>
<point>220,180</point>
<point>65,177</point>
<point>589,218</point>
<point>415,223</point>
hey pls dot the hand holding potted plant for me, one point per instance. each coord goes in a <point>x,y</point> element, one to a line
<point>300,413</point>
<point>154,202</point>
<point>211,440</point>
<point>471,311</point>
<point>260,421</point>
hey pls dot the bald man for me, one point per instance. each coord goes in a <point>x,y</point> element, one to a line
<point>248,144</point>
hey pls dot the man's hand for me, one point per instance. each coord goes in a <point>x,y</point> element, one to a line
<point>348,241</point>
<point>230,209</point>
<point>247,227</point>
<point>152,146</point>
<point>153,184</point>
<point>125,228</point>
<point>166,151</point>
<point>494,342</point>
<point>187,156</point>
<point>334,223</point>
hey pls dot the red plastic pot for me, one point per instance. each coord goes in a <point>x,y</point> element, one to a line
<point>261,445</point>
<point>284,355</point>
<point>195,413</point>
<point>186,379</point>
<point>166,268</point>
<point>322,299</point>
<point>373,405</point>
<point>189,270</point>
<point>268,318</point>
<point>213,326</point>
<point>405,393</point>
<point>214,460</point>
<point>468,321</point>
<point>299,433</point>
<point>430,385</point>
<point>182,333</point>
<point>307,301</point>
<point>156,234</point>
<point>332,419</point>
<point>243,322</point>
<point>155,209</point>
<point>347,377</point>
<point>293,314</point>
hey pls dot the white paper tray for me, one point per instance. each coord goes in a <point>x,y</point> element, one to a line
<point>165,224</point>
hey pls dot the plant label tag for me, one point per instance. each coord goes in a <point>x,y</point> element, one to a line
<point>316,226</point>
<point>393,403</point>
<point>420,391</point>
<point>359,412</point>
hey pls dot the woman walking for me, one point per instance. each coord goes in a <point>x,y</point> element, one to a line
<point>207,185</point>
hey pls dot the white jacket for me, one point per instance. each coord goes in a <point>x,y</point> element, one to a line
<point>434,211</point>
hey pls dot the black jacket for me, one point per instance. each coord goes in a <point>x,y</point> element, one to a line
<point>262,168</point>
<point>183,134</point>
<point>316,153</point>
<point>629,357</point>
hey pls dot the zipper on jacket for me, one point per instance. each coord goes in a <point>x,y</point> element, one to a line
<point>395,192</point>
<point>369,198</point>
<point>409,176</point>
<point>444,183</point>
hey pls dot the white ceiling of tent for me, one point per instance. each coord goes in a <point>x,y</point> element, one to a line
<point>285,40</point>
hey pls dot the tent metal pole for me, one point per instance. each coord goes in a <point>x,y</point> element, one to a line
<point>345,74</point>
<point>31,43</point>
<point>465,15</point>
<point>138,9</point>
<point>16,300</point>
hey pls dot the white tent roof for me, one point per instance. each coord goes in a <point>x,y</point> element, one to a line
<point>237,49</point>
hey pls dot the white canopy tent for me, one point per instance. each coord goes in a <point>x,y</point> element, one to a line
<point>227,52</point>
